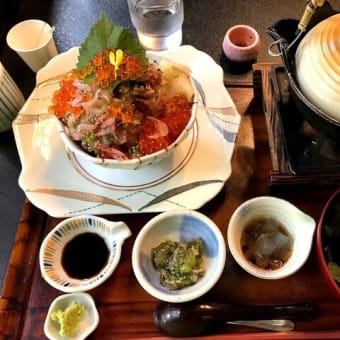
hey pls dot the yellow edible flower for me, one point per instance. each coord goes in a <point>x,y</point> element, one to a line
<point>116,59</point>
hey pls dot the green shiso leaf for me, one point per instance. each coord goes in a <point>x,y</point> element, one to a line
<point>104,34</point>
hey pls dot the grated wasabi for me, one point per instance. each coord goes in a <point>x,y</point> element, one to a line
<point>69,319</point>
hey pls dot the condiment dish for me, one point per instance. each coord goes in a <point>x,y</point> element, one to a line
<point>178,225</point>
<point>269,237</point>
<point>81,252</point>
<point>327,242</point>
<point>86,326</point>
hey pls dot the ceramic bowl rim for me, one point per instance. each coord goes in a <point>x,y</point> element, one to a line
<point>168,296</point>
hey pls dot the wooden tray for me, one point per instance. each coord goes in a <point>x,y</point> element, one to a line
<point>126,309</point>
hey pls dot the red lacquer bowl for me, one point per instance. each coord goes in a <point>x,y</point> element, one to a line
<point>327,243</point>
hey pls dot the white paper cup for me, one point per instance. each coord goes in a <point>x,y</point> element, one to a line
<point>11,100</point>
<point>33,41</point>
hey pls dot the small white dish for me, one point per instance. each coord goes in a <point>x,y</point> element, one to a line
<point>86,326</point>
<point>178,225</point>
<point>299,225</point>
<point>111,234</point>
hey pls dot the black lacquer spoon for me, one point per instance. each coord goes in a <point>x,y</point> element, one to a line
<point>193,319</point>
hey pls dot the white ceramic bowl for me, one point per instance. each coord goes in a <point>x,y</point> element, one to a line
<point>177,77</point>
<point>86,326</point>
<point>52,248</point>
<point>178,225</point>
<point>300,226</point>
<point>317,60</point>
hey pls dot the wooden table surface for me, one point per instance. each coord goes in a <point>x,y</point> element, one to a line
<point>126,309</point>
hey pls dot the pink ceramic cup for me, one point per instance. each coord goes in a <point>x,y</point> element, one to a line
<point>241,44</point>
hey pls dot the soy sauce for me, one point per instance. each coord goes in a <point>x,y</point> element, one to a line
<point>85,255</point>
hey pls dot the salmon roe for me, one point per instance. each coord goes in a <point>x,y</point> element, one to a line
<point>104,72</point>
<point>101,72</point>
<point>176,115</point>
<point>62,98</point>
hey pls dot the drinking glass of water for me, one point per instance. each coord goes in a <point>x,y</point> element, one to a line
<point>158,22</point>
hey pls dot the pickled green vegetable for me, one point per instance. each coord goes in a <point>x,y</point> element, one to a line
<point>180,264</point>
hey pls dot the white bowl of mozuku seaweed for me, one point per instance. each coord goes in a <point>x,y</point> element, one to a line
<point>198,273</point>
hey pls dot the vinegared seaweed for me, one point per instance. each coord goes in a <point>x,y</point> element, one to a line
<point>180,264</point>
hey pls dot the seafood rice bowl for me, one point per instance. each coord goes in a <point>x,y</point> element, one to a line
<point>124,111</point>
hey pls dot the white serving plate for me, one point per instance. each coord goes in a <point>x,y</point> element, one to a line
<point>56,181</point>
